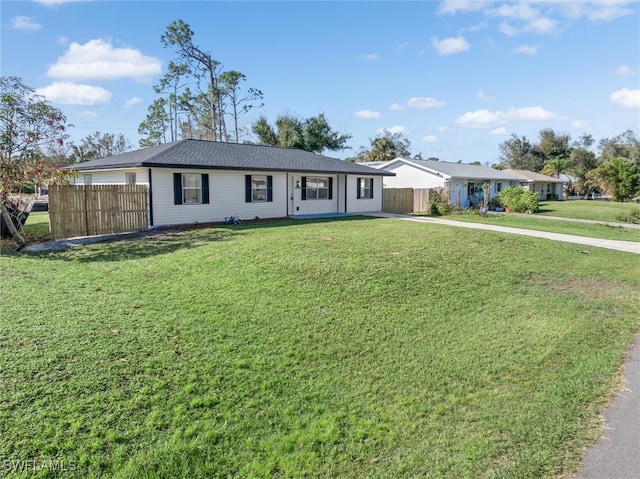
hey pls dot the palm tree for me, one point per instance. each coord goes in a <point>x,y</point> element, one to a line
<point>556,166</point>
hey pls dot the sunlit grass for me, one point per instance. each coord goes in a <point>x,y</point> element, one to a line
<point>585,209</point>
<point>354,348</point>
<point>541,223</point>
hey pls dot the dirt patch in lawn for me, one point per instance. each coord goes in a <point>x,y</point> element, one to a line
<point>590,289</point>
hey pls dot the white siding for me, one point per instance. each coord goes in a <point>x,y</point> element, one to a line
<point>458,193</point>
<point>355,205</point>
<point>226,198</point>
<point>298,206</point>
<point>227,195</point>
<point>113,177</point>
<point>408,176</point>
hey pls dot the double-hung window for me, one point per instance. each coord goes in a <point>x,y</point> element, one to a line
<point>258,188</point>
<point>190,188</point>
<point>317,187</point>
<point>365,189</point>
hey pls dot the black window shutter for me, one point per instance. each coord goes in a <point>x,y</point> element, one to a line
<point>371,188</point>
<point>247,188</point>
<point>269,188</point>
<point>358,193</point>
<point>205,188</point>
<point>304,188</point>
<point>330,187</point>
<point>177,188</point>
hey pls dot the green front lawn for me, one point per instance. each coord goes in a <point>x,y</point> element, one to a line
<point>353,348</point>
<point>586,209</point>
<point>540,223</point>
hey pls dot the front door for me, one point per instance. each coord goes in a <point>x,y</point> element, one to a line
<point>471,192</point>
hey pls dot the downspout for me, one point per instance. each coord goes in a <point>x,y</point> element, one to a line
<point>150,202</point>
<point>287,200</point>
<point>345,193</point>
<point>338,194</point>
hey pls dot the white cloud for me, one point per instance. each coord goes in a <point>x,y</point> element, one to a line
<point>625,70</point>
<point>424,103</point>
<point>368,56</point>
<point>88,113</point>
<point>132,101</point>
<point>99,60</point>
<point>526,50</point>
<point>490,119</point>
<point>593,10</point>
<point>450,46</point>
<point>579,124</point>
<point>481,96</point>
<point>541,26</point>
<point>25,23</point>
<point>74,94</point>
<point>397,107</point>
<point>444,129</point>
<point>430,139</point>
<point>62,40</point>
<point>393,130</point>
<point>475,28</point>
<point>455,6</point>
<point>55,3</point>
<point>521,11</point>
<point>626,98</point>
<point>498,131</point>
<point>367,114</point>
<point>401,46</point>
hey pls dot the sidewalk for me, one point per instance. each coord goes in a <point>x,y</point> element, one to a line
<point>626,246</point>
<point>617,454</point>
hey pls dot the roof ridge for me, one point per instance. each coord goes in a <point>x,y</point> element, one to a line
<point>260,145</point>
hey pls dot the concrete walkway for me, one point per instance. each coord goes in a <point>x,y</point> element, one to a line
<point>579,220</point>
<point>626,246</point>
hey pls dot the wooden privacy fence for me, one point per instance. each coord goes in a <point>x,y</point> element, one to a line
<point>90,210</point>
<point>410,200</point>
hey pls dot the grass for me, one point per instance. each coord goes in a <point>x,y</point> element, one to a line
<point>353,348</point>
<point>584,209</point>
<point>540,223</point>
<point>35,230</point>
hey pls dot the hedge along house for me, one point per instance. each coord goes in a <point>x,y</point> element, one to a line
<point>203,181</point>
<point>463,180</point>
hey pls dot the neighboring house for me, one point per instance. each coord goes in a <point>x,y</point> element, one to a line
<point>464,181</point>
<point>547,187</point>
<point>203,181</point>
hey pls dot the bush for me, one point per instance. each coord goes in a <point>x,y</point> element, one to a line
<point>495,202</point>
<point>632,217</point>
<point>437,204</point>
<point>518,200</point>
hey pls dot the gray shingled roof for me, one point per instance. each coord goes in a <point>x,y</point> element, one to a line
<point>532,176</point>
<point>464,170</point>
<point>228,156</point>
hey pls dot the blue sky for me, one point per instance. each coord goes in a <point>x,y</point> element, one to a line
<point>455,77</point>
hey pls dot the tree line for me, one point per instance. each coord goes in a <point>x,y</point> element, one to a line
<point>199,99</point>
<point>615,169</point>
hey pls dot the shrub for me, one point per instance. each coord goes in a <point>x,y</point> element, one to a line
<point>518,200</point>
<point>632,217</point>
<point>495,202</point>
<point>437,204</point>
